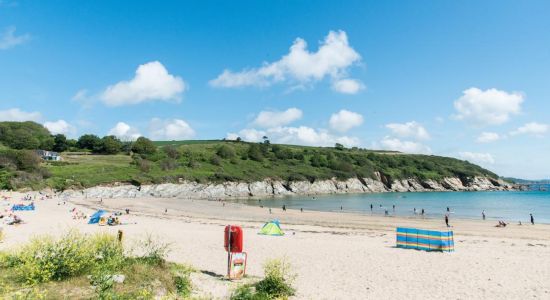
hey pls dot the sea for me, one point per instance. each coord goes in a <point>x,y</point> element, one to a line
<point>509,206</point>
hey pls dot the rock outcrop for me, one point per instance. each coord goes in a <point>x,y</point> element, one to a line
<point>268,188</point>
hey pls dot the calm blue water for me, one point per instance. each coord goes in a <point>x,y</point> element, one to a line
<point>509,206</point>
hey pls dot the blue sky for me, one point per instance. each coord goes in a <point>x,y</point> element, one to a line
<point>467,79</point>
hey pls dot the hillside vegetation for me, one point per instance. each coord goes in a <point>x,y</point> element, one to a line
<point>107,160</point>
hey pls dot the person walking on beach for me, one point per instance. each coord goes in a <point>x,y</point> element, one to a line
<point>532,219</point>
<point>414,210</point>
<point>284,207</point>
<point>483,215</point>
<point>422,212</point>
<point>371,207</point>
<point>270,210</point>
<point>394,208</point>
<point>447,220</point>
<point>301,209</point>
<point>448,209</point>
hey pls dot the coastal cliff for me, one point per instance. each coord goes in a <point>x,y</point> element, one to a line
<point>270,188</point>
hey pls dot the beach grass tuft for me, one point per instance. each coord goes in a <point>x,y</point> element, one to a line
<point>276,284</point>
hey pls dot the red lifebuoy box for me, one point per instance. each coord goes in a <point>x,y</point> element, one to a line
<point>233,238</point>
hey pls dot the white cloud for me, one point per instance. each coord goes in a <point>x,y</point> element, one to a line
<point>488,137</point>
<point>332,59</point>
<point>124,132</point>
<point>409,130</point>
<point>171,129</point>
<point>347,86</point>
<point>481,158</point>
<point>151,82</point>
<point>533,128</point>
<point>277,118</point>
<point>489,107</point>
<point>301,135</point>
<point>17,115</point>
<point>60,127</point>
<point>344,120</point>
<point>8,39</point>
<point>389,143</point>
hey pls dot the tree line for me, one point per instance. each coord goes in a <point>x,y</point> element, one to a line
<point>33,136</point>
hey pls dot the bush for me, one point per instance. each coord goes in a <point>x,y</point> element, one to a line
<point>275,285</point>
<point>168,164</point>
<point>143,165</point>
<point>144,146</point>
<point>45,258</point>
<point>171,151</point>
<point>226,152</point>
<point>216,160</point>
<point>277,281</point>
<point>255,152</point>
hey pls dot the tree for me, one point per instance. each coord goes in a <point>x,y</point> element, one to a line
<point>25,135</point>
<point>88,141</point>
<point>60,143</point>
<point>144,146</point>
<point>110,145</point>
<point>339,146</point>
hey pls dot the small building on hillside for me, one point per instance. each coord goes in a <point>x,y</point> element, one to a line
<point>48,155</point>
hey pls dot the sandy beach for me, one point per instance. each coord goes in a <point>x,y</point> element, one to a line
<point>334,255</point>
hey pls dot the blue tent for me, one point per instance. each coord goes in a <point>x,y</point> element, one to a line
<point>94,219</point>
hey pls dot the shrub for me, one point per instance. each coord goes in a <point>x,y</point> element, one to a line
<point>255,152</point>
<point>144,165</point>
<point>144,146</point>
<point>45,259</point>
<point>171,151</point>
<point>275,285</point>
<point>277,281</point>
<point>168,164</point>
<point>226,152</point>
<point>216,160</point>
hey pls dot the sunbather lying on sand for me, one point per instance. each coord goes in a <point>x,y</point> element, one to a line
<point>501,224</point>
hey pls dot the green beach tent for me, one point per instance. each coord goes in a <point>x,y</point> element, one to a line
<point>272,228</point>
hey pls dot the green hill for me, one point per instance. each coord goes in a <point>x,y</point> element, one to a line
<point>218,161</point>
<point>92,160</point>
